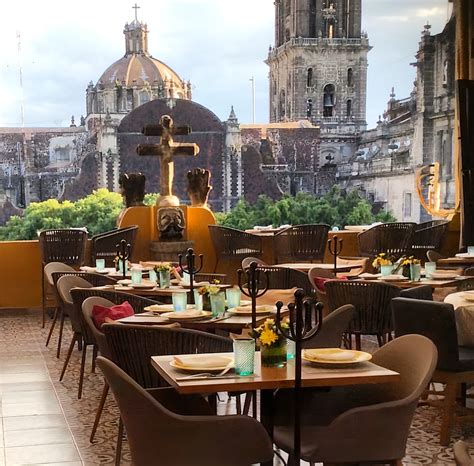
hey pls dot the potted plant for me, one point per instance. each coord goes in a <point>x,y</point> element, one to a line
<point>163,270</point>
<point>272,343</point>
<point>384,263</point>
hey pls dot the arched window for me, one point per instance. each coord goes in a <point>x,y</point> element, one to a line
<point>144,97</point>
<point>309,78</point>
<point>309,107</point>
<point>349,77</point>
<point>282,103</point>
<point>328,100</point>
<point>349,108</point>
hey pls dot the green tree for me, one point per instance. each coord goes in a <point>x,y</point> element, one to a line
<point>150,198</point>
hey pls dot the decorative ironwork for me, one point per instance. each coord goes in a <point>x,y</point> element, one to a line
<point>191,268</point>
<point>306,320</point>
<point>123,254</point>
<point>335,248</point>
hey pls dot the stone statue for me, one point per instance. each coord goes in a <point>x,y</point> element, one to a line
<point>132,188</point>
<point>170,223</point>
<point>167,150</point>
<point>198,186</point>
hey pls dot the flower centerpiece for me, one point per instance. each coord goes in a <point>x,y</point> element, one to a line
<point>212,293</point>
<point>164,272</point>
<point>272,343</point>
<point>411,267</point>
<point>384,263</point>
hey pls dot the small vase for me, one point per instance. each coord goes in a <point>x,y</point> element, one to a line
<point>386,269</point>
<point>206,302</point>
<point>406,271</point>
<point>415,272</point>
<point>274,355</point>
<point>218,304</point>
<point>164,278</point>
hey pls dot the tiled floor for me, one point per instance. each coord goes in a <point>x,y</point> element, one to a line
<point>43,422</point>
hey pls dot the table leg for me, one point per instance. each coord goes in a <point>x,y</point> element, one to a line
<point>266,415</point>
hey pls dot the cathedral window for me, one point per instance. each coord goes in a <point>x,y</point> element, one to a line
<point>407,205</point>
<point>309,108</point>
<point>328,100</point>
<point>144,97</point>
<point>349,108</point>
<point>349,77</point>
<point>282,103</point>
<point>309,78</point>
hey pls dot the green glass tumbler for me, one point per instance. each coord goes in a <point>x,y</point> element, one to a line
<point>244,356</point>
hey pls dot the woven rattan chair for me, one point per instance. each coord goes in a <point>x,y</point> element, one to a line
<point>301,243</point>
<point>78,296</point>
<point>230,244</point>
<point>95,279</point>
<point>469,272</point>
<point>284,278</point>
<point>391,238</point>
<point>104,245</point>
<point>366,424</point>
<point>373,315</point>
<point>455,365</point>
<point>466,285</point>
<point>428,236</point>
<point>67,246</point>
<point>159,433</point>
<point>313,275</point>
<point>248,260</point>
<point>359,265</point>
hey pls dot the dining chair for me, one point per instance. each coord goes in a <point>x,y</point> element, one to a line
<point>461,454</point>
<point>418,292</point>
<point>248,260</point>
<point>428,236</point>
<point>60,245</point>
<point>301,243</point>
<point>359,265</point>
<point>48,271</point>
<point>371,300</point>
<point>160,434</point>
<point>101,341</point>
<point>78,295</point>
<point>366,423</point>
<point>230,244</point>
<point>95,279</point>
<point>455,365</point>
<point>104,245</point>
<point>469,272</point>
<point>284,278</point>
<point>318,277</point>
<point>394,239</point>
<point>466,285</point>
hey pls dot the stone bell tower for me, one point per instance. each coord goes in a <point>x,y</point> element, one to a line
<point>318,66</point>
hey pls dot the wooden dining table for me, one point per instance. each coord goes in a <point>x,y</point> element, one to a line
<point>464,312</point>
<point>307,266</point>
<point>267,380</point>
<point>466,261</point>
<point>448,283</point>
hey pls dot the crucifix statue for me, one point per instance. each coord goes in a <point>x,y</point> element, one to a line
<point>167,150</point>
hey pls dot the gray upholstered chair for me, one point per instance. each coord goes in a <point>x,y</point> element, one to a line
<point>455,363</point>
<point>159,434</point>
<point>368,423</point>
<point>418,292</point>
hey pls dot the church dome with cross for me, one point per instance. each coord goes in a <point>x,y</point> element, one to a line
<point>136,78</point>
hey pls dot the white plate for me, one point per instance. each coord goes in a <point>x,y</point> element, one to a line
<point>468,296</point>
<point>127,281</point>
<point>143,286</point>
<point>123,288</point>
<point>192,364</point>
<point>465,255</point>
<point>161,308</point>
<point>335,356</point>
<point>187,315</point>
<point>443,276</point>
<point>393,278</point>
<point>369,276</point>
<point>247,310</point>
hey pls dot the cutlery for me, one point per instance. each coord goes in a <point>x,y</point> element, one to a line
<point>209,374</point>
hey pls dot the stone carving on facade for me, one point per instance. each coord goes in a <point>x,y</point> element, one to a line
<point>132,188</point>
<point>171,223</point>
<point>198,186</point>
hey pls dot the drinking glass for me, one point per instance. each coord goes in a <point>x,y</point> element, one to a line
<point>136,275</point>
<point>121,266</point>
<point>198,300</point>
<point>185,279</point>
<point>430,267</point>
<point>233,297</point>
<point>152,276</point>
<point>244,356</point>
<point>470,250</point>
<point>164,278</point>
<point>218,304</point>
<point>290,349</point>
<point>100,264</point>
<point>415,272</point>
<point>386,270</point>
<point>180,300</point>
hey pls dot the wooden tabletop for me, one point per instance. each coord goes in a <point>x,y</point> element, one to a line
<point>456,261</point>
<point>424,281</point>
<point>272,378</point>
<point>306,267</point>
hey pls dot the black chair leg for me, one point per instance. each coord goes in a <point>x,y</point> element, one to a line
<point>81,374</point>
<point>53,324</point>
<point>118,453</point>
<point>68,356</point>
<point>60,338</point>
<point>94,357</point>
<point>103,398</point>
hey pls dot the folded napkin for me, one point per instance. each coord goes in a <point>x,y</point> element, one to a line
<point>189,313</point>
<point>199,361</point>
<point>335,354</point>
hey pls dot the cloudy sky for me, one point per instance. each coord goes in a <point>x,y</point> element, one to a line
<point>217,44</point>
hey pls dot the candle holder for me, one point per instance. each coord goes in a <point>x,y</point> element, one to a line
<point>335,248</point>
<point>191,268</point>
<point>123,253</point>
<point>302,327</point>
<point>251,288</point>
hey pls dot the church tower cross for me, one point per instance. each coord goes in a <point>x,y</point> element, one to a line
<point>166,150</point>
<point>136,7</point>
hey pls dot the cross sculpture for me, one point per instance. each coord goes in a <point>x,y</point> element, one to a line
<point>167,150</point>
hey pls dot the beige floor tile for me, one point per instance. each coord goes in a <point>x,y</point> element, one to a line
<point>25,386</point>
<point>27,437</point>
<point>29,397</point>
<point>33,422</point>
<point>67,463</point>
<point>25,377</point>
<point>38,454</point>
<point>30,409</point>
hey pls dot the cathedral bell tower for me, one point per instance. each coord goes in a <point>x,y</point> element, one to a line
<point>318,66</point>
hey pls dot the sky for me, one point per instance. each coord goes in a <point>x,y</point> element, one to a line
<point>217,44</point>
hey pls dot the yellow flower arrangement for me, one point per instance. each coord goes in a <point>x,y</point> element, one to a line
<point>268,333</point>
<point>409,260</point>
<point>163,267</point>
<point>209,289</point>
<point>381,259</point>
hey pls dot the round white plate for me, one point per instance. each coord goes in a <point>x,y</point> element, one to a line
<point>189,367</point>
<point>465,255</point>
<point>335,356</point>
<point>123,288</point>
<point>247,310</point>
<point>161,308</point>
<point>127,281</point>
<point>443,276</point>
<point>143,286</point>
<point>186,315</point>
<point>468,296</point>
<point>393,278</point>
